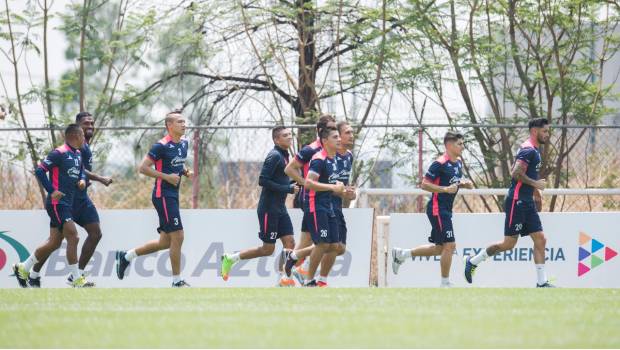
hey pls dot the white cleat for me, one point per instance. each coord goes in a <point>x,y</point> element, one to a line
<point>447,285</point>
<point>398,259</point>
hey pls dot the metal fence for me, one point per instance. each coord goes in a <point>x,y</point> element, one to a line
<point>227,161</point>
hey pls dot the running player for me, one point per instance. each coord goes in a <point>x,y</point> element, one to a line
<point>443,178</point>
<point>168,156</point>
<point>273,218</point>
<point>520,206</point>
<point>320,183</point>
<point>297,170</point>
<point>64,165</point>
<point>84,211</point>
<point>344,163</point>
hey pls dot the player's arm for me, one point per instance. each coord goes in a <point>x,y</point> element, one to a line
<point>432,174</point>
<point>293,170</point>
<point>518,173</point>
<point>106,180</point>
<point>265,179</point>
<point>146,168</point>
<point>312,183</point>
<point>51,160</point>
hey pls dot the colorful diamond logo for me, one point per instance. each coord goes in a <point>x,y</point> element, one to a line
<point>587,247</point>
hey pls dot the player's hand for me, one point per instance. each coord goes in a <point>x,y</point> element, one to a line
<point>349,192</point>
<point>295,188</point>
<point>540,184</point>
<point>538,200</point>
<point>81,185</point>
<point>451,189</point>
<point>56,195</point>
<point>106,180</point>
<point>188,173</point>
<point>339,187</point>
<point>465,183</point>
<point>172,179</point>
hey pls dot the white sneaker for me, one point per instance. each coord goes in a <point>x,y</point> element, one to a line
<point>447,285</point>
<point>398,259</point>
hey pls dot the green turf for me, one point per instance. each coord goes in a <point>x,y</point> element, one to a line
<point>298,317</point>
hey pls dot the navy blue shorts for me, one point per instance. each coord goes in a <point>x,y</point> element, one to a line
<point>169,214</point>
<point>521,217</point>
<point>323,226</point>
<point>84,212</point>
<point>442,230</point>
<point>274,226</point>
<point>59,214</point>
<point>342,227</point>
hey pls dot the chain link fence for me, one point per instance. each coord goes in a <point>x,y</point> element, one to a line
<point>227,161</point>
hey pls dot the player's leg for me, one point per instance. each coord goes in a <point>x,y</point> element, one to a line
<point>514,222</point>
<point>124,258</point>
<point>89,220</point>
<point>288,244</point>
<point>329,257</point>
<point>302,251</point>
<point>70,234</point>
<point>446,262</point>
<point>28,271</point>
<point>176,242</point>
<point>400,255</point>
<point>267,233</point>
<point>533,227</point>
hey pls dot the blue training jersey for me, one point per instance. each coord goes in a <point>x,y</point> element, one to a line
<point>325,167</point>
<point>529,155</point>
<point>169,158</point>
<point>443,172</point>
<point>64,165</point>
<point>344,164</point>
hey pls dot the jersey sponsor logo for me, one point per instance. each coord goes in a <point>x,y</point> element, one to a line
<point>178,161</point>
<point>74,173</point>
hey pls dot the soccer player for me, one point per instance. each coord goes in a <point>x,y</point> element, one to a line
<point>321,219</point>
<point>273,218</point>
<point>521,205</point>
<point>344,164</point>
<point>168,156</point>
<point>64,165</point>
<point>297,170</point>
<point>443,178</point>
<point>84,212</point>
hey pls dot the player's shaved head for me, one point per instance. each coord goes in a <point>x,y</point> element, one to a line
<point>73,130</point>
<point>172,116</point>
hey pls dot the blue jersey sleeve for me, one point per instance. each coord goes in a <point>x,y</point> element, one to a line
<point>53,159</point>
<point>156,152</point>
<point>433,171</point>
<point>266,174</point>
<point>305,154</point>
<point>316,166</point>
<point>526,155</point>
<point>87,158</point>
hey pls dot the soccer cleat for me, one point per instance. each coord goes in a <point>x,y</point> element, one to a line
<point>470,269</point>
<point>80,282</point>
<point>34,282</point>
<point>311,283</point>
<point>299,274</point>
<point>545,285</point>
<point>227,264</point>
<point>180,284</point>
<point>446,285</point>
<point>286,282</point>
<point>121,264</point>
<point>321,284</point>
<point>397,259</point>
<point>21,274</point>
<point>289,264</point>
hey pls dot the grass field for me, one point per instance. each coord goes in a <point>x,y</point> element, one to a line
<point>368,317</point>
